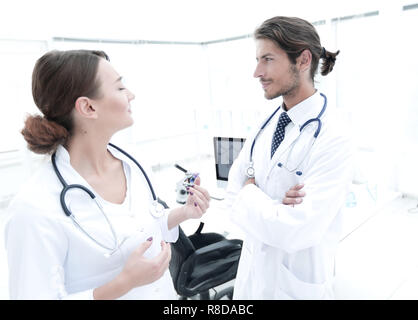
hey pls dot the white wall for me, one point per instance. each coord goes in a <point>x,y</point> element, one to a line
<point>186,94</point>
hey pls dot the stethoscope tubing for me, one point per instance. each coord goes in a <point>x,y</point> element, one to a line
<point>67,187</point>
<point>317,119</point>
<point>154,196</point>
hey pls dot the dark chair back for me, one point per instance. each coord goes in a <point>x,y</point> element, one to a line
<point>202,261</point>
<point>180,251</point>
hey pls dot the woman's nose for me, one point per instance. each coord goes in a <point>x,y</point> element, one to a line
<point>131,96</point>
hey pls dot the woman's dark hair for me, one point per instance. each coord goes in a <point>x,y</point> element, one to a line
<point>58,79</point>
<point>294,35</point>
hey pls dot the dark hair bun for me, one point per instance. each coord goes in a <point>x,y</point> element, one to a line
<point>43,136</point>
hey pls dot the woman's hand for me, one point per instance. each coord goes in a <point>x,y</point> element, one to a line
<point>138,271</point>
<point>294,195</point>
<point>197,202</point>
<point>196,205</point>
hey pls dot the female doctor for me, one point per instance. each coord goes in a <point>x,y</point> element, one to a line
<point>289,251</point>
<point>106,236</point>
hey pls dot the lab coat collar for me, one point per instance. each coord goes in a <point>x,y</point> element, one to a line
<point>62,154</point>
<point>307,109</point>
<point>299,114</point>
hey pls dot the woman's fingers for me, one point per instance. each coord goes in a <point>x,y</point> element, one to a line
<point>199,198</point>
<point>203,191</point>
<point>197,181</point>
<point>162,261</point>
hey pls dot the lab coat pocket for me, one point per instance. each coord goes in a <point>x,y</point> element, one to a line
<point>292,287</point>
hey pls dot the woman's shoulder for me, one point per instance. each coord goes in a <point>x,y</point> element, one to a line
<point>39,195</point>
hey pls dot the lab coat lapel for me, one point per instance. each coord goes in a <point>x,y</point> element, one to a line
<point>284,147</point>
<point>70,175</point>
<point>301,113</point>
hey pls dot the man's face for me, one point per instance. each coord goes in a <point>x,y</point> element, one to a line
<point>278,76</point>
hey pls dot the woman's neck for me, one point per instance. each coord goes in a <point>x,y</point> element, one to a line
<point>89,154</point>
<point>103,172</point>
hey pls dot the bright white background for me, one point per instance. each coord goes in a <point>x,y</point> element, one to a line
<point>187,93</point>
<point>197,83</point>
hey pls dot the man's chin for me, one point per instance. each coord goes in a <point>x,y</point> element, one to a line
<point>270,96</point>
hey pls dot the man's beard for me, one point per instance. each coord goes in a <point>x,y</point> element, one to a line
<point>291,87</point>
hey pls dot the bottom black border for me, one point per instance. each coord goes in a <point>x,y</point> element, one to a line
<point>198,309</point>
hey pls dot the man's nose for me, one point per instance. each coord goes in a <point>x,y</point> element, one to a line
<point>258,71</point>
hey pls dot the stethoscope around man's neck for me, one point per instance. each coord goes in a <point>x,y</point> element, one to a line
<point>250,170</point>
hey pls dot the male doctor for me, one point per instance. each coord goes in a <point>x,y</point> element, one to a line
<point>289,251</point>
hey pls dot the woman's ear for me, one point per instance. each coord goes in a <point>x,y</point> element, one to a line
<point>85,109</point>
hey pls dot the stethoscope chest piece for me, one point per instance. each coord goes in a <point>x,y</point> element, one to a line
<point>157,209</point>
<point>250,172</point>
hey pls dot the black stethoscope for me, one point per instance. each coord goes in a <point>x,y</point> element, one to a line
<point>156,211</point>
<point>250,172</point>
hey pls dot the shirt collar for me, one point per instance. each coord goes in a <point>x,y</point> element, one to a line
<point>306,109</point>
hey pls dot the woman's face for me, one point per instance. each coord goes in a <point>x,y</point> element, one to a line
<point>113,104</point>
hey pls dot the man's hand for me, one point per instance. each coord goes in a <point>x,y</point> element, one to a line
<point>249,181</point>
<point>294,195</point>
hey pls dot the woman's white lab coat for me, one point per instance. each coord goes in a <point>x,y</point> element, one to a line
<point>288,252</point>
<point>50,258</point>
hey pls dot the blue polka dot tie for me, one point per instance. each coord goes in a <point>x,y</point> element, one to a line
<point>279,133</point>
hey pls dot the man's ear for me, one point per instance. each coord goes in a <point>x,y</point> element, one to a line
<point>304,60</point>
<point>85,109</point>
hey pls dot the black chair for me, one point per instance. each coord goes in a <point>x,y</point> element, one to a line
<point>202,261</point>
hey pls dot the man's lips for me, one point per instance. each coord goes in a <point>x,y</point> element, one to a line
<point>265,83</point>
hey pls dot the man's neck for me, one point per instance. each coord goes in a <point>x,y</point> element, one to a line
<point>292,99</point>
